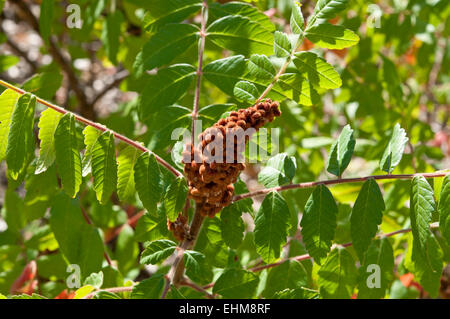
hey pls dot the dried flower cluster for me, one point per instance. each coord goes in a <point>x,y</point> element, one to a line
<point>211,180</point>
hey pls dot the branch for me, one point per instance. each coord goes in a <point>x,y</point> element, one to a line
<point>98,126</point>
<point>188,283</point>
<point>336,181</point>
<point>65,65</point>
<point>112,290</point>
<point>307,256</point>
<point>119,77</point>
<point>201,50</point>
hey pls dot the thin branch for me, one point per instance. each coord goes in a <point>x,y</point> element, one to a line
<point>119,77</point>
<point>98,126</point>
<point>188,283</point>
<point>58,56</point>
<point>337,181</point>
<point>307,256</point>
<point>201,50</point>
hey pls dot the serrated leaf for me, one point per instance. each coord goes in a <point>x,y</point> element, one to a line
<point>377,271</point>
<point>338,275</point>
<point>104,166</point>
<point>319,223</point>
<point>240,34</point>
<point>90,136</point>
<point>162,12</point>
<point>279,170</point>
<point>246,91</point>
<point>125,173</point>
<point>297,21</point>
<point>282,46</point>
<point>317,70</point>
<point>68,158</point>
<point>147,176</point>
<point>444,209</point>
<point>325,10</point>
<point>8,102</point>
<point>175,198</point>
<point>366,216</point>
<point>299,293</point>
<point>332,36</point>
<point>394,150</point>
<point>94,280</point>
<point>341,152</point>
<point>46,19</point>
<point>290,274</point>
<point>192,260</point>
<point>165,88</point>
<point>47,126</point>
<point>79,242</point>
<point>302,90</point>
<point>20,135</point>
<point>260,66</point>
<point>111,34</point>
<point>426,253</point>
<point>151,288</point>
<point>171,41</point>
<point>152,226</point>
<point>157,251</point>
<point>271,227</point>
<point>217,10</point>
<point>236,284</point>
<point>232,226</point>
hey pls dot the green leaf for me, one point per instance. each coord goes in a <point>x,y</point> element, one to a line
<point>380,254</point>
<point>68,158</point>
<point>46,19</point>
<point>148,180</point>
<point>111,34</point>
<point>338,275</point>
<point>125,173</point>
<point>260,66</point>
<point>246,91</point>
<point>299,293</point>
<point>240,34</point>
<point>44,84</point>
<point>171,41</point>
<point>151,288</point>
<point>302,90</point>
<point>7,61</point>
<point>79,242</point>
<point>366,216</point>
<point>162,12</point>
<point>236,284</point>
<point>165,88</point>
<point>325,10</point>
<point>94,280</point>
<point>90,137</point>
<point>157,251</point>
<point>279,170</point>
<point>152,226</point>
<point>232,226</point>
<point>319,223</point>
<point>175,198</point>
<point>332,36</point>
<point>104,167</point>
<point>290,274</point>
<point>47,126</point>
<point>317,70</point>
<point>271,227</point>
<point>21,135</point>
<point>444,209</point>
<point>297,21</point>
<point>341,152</point>
<point>282,46</point>
<point>192,260</point>
<point>394,150</point>
<point>426,253</point>
<point>8,102</point>
<point>217,10</point>
<point>225,73</point>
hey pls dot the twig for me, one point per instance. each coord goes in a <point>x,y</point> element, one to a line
<point>119,77</point>
<point>98,126</point>
<point>336,181</point>
<point>188,283</point>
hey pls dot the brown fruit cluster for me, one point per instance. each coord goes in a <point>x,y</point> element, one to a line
<point>179,227</point>
<point>210,180</point>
